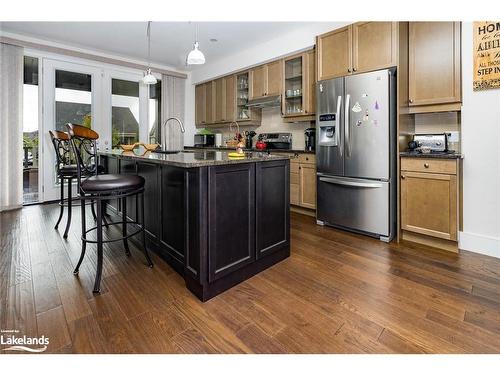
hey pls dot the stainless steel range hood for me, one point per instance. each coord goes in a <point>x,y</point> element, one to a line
<point>265,102</point>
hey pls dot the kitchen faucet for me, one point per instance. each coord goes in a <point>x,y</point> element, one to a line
<point>164,134</point>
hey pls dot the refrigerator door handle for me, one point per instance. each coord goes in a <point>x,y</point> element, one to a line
<point>337,131</point>
<point>346,126</point>
<point>338,181</point>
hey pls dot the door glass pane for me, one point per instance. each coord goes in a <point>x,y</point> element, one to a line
<point>154,107</point>
<point>293,86</point>
<point>73,99</point>
<point>125,112</point>
<point>243,112</point>
<point>30,130</point>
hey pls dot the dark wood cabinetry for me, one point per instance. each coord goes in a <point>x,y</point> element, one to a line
<point>215,225</point>
<point>272,207</point>
<point>151,198</point>
<point>231,219</point>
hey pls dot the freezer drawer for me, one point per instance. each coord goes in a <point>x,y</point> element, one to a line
<point>357,204</point>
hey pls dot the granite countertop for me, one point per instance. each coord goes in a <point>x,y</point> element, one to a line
<point>291,151</point>
<point>435,155</point>
<point>192,158</point>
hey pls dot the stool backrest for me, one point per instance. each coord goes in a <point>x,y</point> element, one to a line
<point>60,141</point>
<point>83,142</point>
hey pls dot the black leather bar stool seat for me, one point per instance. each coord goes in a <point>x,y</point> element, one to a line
<point>112,183</point>
<point>100,188</point>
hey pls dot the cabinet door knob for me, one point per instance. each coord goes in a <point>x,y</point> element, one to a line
<point>403,176</point>
<point>349,70</point>
<point>410,100</point>
<point>353,69</point>
<point>426,165</point>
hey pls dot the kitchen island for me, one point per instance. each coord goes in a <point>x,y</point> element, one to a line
<point>216,220</point>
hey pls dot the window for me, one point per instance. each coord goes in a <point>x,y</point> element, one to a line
<point>73,99</point>
<point>154,110</point>
<point>30,130</point>
<point>124,112</point>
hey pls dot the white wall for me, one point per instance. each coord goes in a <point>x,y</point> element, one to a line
<point>481,165</point>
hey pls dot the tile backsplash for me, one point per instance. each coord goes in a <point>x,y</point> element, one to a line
<point>273,123</point>
<point>440,122</point>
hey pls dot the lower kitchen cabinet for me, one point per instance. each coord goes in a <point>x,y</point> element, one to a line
<point>303,181</point>
<point>307,196</point>
<point>430,201</point>
<point>231,219</point>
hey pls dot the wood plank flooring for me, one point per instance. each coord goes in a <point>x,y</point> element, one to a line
<point>337,293</point>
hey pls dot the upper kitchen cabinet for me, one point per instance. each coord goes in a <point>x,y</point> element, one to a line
<point>357,48</point>
<point>374,45</point>
<point>210,102</point>
<point>200,105</point>
<point>266,80</point>
<point>434,67</point>
<point>219,100</point>
<point>244,114</point>
<point>298,97</point>
<point>230,98</point>
<point>334,55</point>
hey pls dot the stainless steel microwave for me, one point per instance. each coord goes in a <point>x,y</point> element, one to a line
<point>204,140</point>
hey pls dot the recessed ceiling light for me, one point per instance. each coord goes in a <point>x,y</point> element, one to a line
<point>213,40</point>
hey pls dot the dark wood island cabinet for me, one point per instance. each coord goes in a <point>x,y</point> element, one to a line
<point>216,220</point>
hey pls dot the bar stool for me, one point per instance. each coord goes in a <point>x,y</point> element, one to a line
<point>101,187</point>
<point>65,172</point>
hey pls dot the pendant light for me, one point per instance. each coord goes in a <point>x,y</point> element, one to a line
<point>195,56</point>
<point>149,78</point>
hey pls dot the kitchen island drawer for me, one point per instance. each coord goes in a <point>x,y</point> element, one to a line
<point>429,165</point>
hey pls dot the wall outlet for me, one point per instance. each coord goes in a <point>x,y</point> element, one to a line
<point>453,137</point>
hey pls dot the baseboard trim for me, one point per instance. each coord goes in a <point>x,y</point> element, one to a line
<point>481,244</point>
<point>10,208</point>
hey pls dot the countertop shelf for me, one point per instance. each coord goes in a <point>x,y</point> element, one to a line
<point>193,158</point>
<point>413,154</point>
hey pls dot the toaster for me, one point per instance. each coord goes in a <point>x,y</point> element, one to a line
<point>435,142</point>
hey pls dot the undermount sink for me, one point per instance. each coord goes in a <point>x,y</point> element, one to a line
<point>160,151</point>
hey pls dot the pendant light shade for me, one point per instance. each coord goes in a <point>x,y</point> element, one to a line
<point>149,78</point>
<point>195,56</point>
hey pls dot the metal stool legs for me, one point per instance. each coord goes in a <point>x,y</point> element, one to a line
<point>68,222</point>
<point>97,284</point>
<point>61,203</point>
<point>100,241</point>
<point>124,225</point>
<point>84,238</point>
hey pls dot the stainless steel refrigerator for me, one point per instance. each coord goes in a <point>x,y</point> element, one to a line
<point>356,153</point>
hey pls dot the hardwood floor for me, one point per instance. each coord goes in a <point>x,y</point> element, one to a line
<point>337,293</point>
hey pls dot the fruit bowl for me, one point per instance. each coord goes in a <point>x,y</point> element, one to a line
<point>150,146</point>
<point>128,147</point>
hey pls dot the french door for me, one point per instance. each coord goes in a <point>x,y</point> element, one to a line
<point>114,103</point>
<point>72,93</point>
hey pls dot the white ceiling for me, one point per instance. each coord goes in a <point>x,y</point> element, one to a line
<point>170,41</point>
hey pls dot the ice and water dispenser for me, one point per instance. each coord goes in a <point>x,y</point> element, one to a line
<point>328,129</point>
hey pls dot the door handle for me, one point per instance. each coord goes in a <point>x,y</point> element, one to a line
<point>338,181</point>
<point>337,127</point>
<point>346,126</point>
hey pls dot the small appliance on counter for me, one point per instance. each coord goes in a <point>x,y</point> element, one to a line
<point>218,140</point>
<point>276,141</point>
<point>249,138</point>
<point>310,137</point>
<point>430,143</point>
<point>204,140</point>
